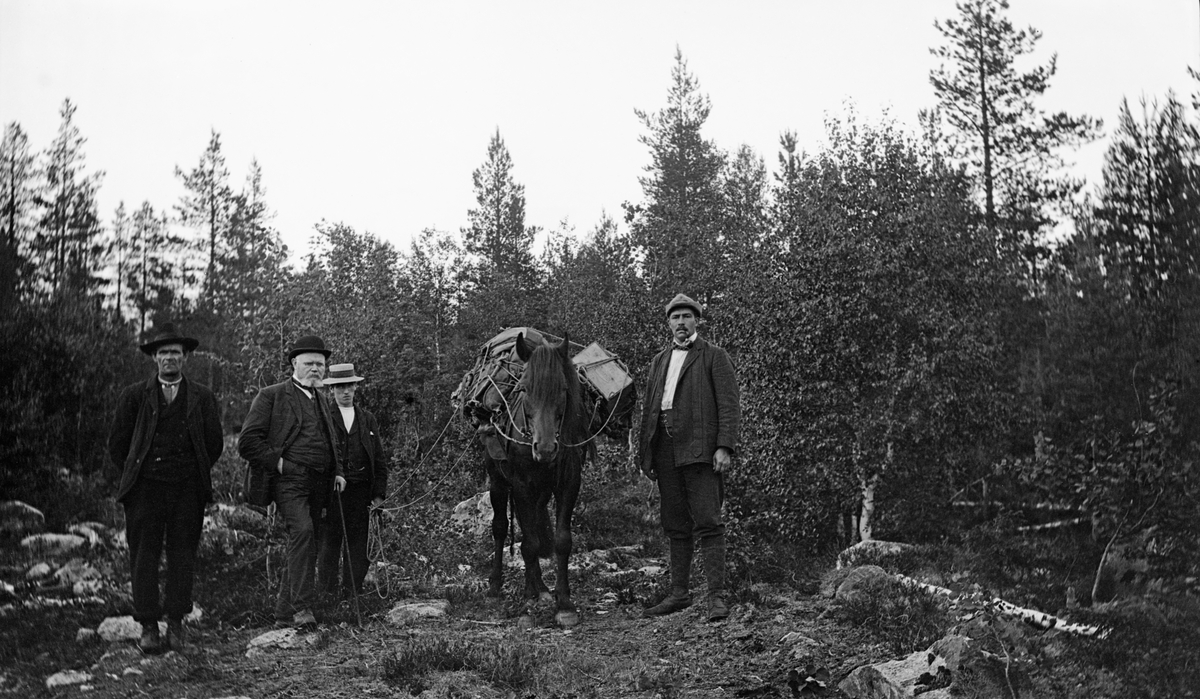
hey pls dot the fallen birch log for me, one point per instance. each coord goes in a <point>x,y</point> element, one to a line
<point>1055,525</point>
<point>1045,506</point>
<point>1033,616</point>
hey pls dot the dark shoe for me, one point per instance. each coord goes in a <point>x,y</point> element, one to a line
<point>304,619</point>
<point>676,601</point>
<point>177,637</point>
<point>717,609</point>
<point>150,643</point>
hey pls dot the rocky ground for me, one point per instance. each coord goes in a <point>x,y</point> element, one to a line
<point>857,632</point>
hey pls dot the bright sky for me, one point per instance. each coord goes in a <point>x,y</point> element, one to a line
<point>375,114</point>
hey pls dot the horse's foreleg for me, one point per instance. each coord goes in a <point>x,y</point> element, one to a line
<point>498,492</point>
<point>567,616</point>
<point>532,545</point>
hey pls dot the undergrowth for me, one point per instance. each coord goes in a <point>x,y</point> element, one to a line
<point>905,618</point>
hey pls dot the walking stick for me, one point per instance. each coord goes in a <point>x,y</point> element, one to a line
<point>346,553</point>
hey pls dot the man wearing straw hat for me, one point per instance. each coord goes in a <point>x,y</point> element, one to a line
<point>166,436</point>
<point>289,435</point>
<point>365,465</point>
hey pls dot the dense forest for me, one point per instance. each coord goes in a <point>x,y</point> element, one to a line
<point>916,318</point>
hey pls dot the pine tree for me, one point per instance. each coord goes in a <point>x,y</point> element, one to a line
<point>67,248</point>
<point>1013,149</point>
<point>501,284</point>
<point>497,232</point>
<point>17,189</point>
<point>119,250</point>
<point>679,227</point>
<point>1149,203</point>
<point>207,206</point>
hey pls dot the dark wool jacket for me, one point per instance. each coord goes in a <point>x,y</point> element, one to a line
<point>136,419</point>
<point>273,424</point>
<point>706,411</point>
<point>368,434</point>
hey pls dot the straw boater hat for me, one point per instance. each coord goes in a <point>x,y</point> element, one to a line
<point>341,373</point>
<point>166,335</point>
<point>308,343</point>
<point>682,300</point>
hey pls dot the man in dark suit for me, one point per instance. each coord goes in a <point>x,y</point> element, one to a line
<point>690,422</point>
<point>366,470</point>
<point>165,437</point>
<point>289,435</point>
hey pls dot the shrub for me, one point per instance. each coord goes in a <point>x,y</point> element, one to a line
<point>906,618</point>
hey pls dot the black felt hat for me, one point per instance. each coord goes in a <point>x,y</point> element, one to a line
<point>308,343</point>
<point>167,335</point>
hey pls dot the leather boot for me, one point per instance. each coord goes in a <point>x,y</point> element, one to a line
<point>681,569</point>
<point>177,637</point>
<point>150,642</point>
<point>713,555</point>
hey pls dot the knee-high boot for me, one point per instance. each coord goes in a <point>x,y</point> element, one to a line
<point>712,552</point>
<point>681,569</point>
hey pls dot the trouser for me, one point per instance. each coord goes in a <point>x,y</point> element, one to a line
<point>690,495</point>
<point>356,501</point>
<point>158,515</point>
<point>300,496</point>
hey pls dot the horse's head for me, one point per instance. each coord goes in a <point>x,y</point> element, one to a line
<point>551,397</point>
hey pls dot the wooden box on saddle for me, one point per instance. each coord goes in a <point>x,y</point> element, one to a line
<point>482,395</point>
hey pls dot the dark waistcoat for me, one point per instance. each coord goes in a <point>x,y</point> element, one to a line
<point>311,448</point>
<point>171,457</point>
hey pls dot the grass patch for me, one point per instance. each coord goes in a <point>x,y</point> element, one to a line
<point>905,618</point>
<point>509,662</point>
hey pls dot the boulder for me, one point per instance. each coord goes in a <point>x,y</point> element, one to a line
<point>279,639</point>
<point>39,571</point>
<point>871,552</point>
<point>86,588</point>
<point>89,532</point>
<point>861,582</point>
<point>123,628</point>
<point>75,571</point>
<point>408,612</point>
<point>474,514</point>
<point>67,678</point>
<point>18,518</point>
<point>86,635</point>
<point>896,679</point>
<point>52,544</point>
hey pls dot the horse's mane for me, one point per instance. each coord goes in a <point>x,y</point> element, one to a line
<point>545,374</point>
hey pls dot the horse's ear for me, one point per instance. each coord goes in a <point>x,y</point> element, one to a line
<point>565,346</point>
<point>522,350</point>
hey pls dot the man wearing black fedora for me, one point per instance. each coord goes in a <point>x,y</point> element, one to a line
<point>366,470</point>
<point>165,437</point>
<point>288,436</point>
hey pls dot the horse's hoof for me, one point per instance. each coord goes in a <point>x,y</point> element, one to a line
<point>567,619</point>
<point>525,622</point>
<point>545,597</point>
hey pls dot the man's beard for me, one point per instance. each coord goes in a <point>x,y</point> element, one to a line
<point>311,382</point>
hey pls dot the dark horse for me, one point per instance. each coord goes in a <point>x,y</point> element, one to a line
<point>545,447</point>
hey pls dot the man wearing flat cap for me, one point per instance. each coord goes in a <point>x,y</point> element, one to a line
<point>366,469</point>
<point>288,437</point>
<point>165,437</point>
<point>690,422</point>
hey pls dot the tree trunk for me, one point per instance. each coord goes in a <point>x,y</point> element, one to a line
<point>866,522</point>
